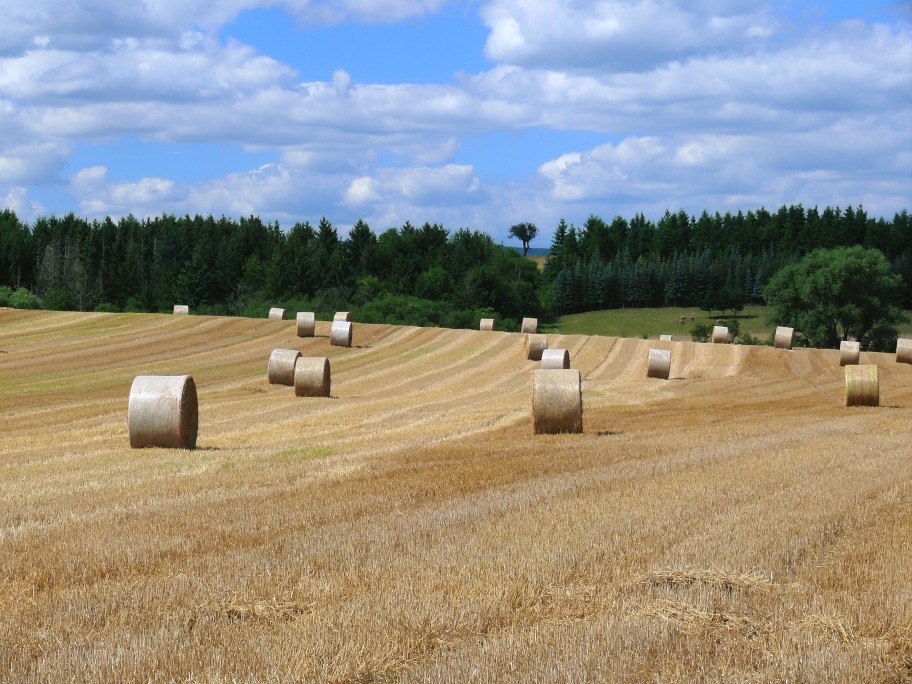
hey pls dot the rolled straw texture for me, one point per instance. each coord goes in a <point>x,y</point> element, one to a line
<point>862,386</point>
<point>486,324</point>
<point>785,337</point>
<point>903,350</point>
<point>312,377</point>
<point>557,401</point>
<point>282,366</point>
<point>344,316</point>
<point>163,412</point>
<point>306,324</point>
<point>849,353</point>
<point>659,365</point>
<point>529,325</point>
<point>720,334</point>
<point>277,314</point>
<point>535,346</point>
<point>181,309</point>
<point>340,334</point>
<point>664,338</point>
<point>555,358</point>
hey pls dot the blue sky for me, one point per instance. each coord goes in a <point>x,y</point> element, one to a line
<point>479,114</point>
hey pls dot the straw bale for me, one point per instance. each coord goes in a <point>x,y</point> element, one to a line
<point>282,366</point>
<point>181,309</point>
<point>486,324</point>
<point>306,324</point>
<point>720,334</point>
<point>849,353</point>
<point>862,386</point>
<point>785,337</point>
<point>344,316</point>
<point>535,346</point>
<point>312,377</point>
<point>557,401</point>
<point>340,334</point>
<point>555,358</point>
<point>277,314</point>
<point>529,325</point>
<point>163,412</point>
<point>664,338</point>
<point>904,350</point>
<point>659,365</point>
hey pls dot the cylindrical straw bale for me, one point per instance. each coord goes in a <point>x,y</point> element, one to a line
<point>664,338</point>
<point>163,412</point>
<point>659,365</point>
<point>557,401</point>
<point>720,334</point>
<point>344,316</point>
<point>555,358</point>
<point>862,386</point>
<point>312,377</point>
<point>181,309</point>
<point>535,346</point>
<point>904,350</point>
<point>277,314</point>
<point>282,366</point>
<point>486,324</point>
<point>785,337</point>
<point>306,324</point>
<point>849,353</point>
<point>340,334</point>
<point>529,325</point>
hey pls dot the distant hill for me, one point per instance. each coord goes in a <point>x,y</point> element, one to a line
<point>533,251</point>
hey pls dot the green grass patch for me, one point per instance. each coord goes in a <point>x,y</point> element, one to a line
<point>654,322</point>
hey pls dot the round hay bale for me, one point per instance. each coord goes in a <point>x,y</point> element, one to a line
<point>535,346</point>
<point>181,310</point>
<point>277,314</point>
<point>904,350</point>
<point>659,365</point>
<point>862,386</point>
<point>163,412</point>
<point>282,366</point>
<point>340,334</point>
<point>344,316</point>
<point>849,353</point>
<point>555,358</point>
<point>529,325</point>
<point>312,377</point>
<point>785,337</point>
<point>664,338</point>
<point>720,334</point>
<point>306,324</point>
<point>557,401</point>
<point>486,324</point>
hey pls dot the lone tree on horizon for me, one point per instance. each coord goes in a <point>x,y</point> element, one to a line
<point>525,233</point>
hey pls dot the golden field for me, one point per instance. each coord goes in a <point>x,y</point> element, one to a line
<point>733,524</point>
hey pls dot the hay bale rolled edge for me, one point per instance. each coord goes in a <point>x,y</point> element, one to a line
<point>849,353</point>
<point>664,338</point>
<point>306,324</point>
<point>529,325</point>
<point>555,358</point>
<point>277,314</point>
<point>557,401</point>
<point>903,350</point>
<point>785,337</point>
<point>344,316</point>
<point>282,366</point>
<point>312,377</point>
<point>486,324</point>
<point>340,334</point>
<point>862,386</point>
<point>181,310</point>
<point>535,346</point>
<point>658,364</point>
<point>163,412</point>
<point>720,334</point>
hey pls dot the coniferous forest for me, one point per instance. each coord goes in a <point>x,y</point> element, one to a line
<point>427,275</point>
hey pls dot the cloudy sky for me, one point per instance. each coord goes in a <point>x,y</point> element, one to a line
<point>479,113</point>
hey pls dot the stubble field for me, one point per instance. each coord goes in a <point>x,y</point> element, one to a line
<point>735,524</point>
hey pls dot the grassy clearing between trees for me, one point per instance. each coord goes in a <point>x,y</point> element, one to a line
<point>736,522</point>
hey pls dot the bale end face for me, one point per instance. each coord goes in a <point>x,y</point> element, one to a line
<point>849,353</point>
<point>535,346</point>
<point>862,386</point>
<point>720,334</point>
<point>312,377</point>
<point>529,325</point>
<point>659,364</point>
<point>903,350</point>
<point>340,334</point>
<point>163,412</point>
<point>277,314</point>
<point>306,324</point>
<point>281,370</point>
<point>486,324</point>
<point>555,358</point>
<point>785,338</point>
<point>557,401</point>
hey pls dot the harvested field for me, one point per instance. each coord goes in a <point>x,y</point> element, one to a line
<point>736,523</point>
